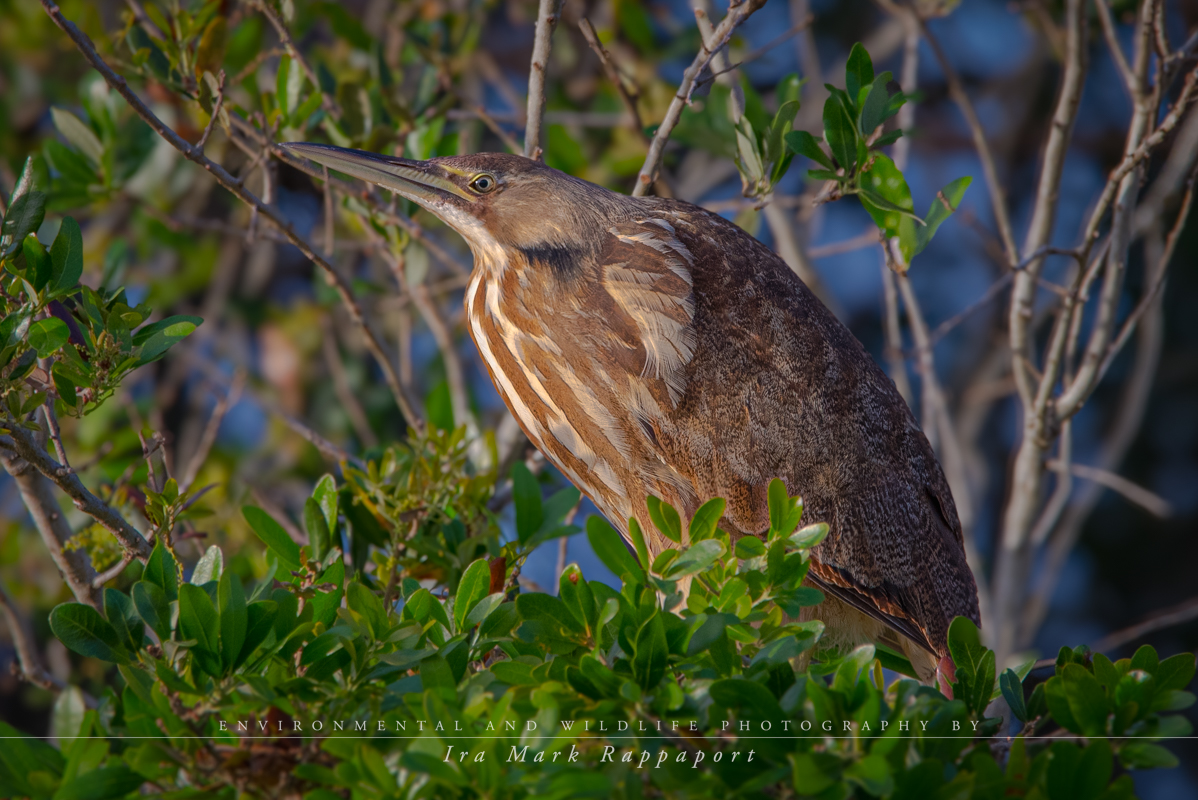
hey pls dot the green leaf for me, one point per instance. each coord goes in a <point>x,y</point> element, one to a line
<point>975,664</point>
<point>273,536</point>
<point>367,603</point>
<point>234,617</point>
<point>326,495</point>
<point>695,559</point>
<point>841,134</point>
<point>66,256</point>
<point>706,519</point>
<point>1087,701</point>
<point>315,522</point>
<point>82,629</point>
<point>153,608</point>
<point>665,519</point>
<point>1174,672</point>
<point>526,493</point>
<point>877,100</point>
<point>610,549</point>
<point>47,335</point>
<point>66,720</point>
<point>76,131</point>
<point>638,541</point>
<point>947,201</point>
<point>474,586</point>
<point>154,340</point>
<point>209,568</point>
<point>1142,755</point>
<point>162,570</point>
<point>809,536</point>
<point>1093,770</point>
<point>198,620</point>
<point>749,547</point>
<point>24,217</point>
<point>1012,692</point>
<point>785,511</point>
<point>805,144</point>
<point>650,653</point>
<point>37,261</point>
<point>859,71</point>
<point>104,783</point>
<point>123,617</point>
<point>872,774</point>
<point>260,619</point>
<point>514,673</point>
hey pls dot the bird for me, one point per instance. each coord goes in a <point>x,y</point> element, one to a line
<point>647,346</point>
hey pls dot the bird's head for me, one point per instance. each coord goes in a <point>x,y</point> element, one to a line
<point>499,203</point>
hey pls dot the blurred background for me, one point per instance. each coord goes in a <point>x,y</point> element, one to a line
<point>278,353</point>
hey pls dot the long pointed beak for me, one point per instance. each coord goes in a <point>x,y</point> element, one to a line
<point>422,182</point>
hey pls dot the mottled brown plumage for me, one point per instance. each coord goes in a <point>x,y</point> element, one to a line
<point>648,346</point>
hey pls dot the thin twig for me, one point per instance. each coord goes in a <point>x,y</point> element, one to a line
<point>998,200</point>
<point>629,98</point>
<point>216,106</point>
<point>326,102</point>
<point>345,392</point>
<point>867,238</point>
<point>322,444</point>
<point>1149,501</point>
<point>37,493</point>
<point>373,342</point>
<point>208,439</point>
<point>28,658</point>
<point>547,16</point>
<point>722,34</point>
<point>1112,41</point>
<point>1174,615</point>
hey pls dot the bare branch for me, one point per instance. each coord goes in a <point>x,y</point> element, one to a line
<point>211,430</point>
<point>85,501</point>
<point>547,16</point>
<point>373,342</point>
<point>1047,195</point>
<point>1149,501</point>
<point>613,75</point>
<point>736,16</point>
<point>1174,615</point>
<point>998,198</point>
<point>330,450</point>
<point>1112,41</point>
<point>38,496</point>
<point>345,393</point>
<point>216,106</point>
<point>30,661</point>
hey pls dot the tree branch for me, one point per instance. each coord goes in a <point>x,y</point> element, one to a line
<point>233,185</point>
<point>652,166</point>
<point>30,661</point>
<point>66,480</point>
<point>547,16</point>
<point>1047,196</point>
<point>38,495</point>
<point>998,200</point>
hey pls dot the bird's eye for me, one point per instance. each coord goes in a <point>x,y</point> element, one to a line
<point>484,183</point>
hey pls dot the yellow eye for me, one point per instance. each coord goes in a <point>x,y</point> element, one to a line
<point>484,183</point>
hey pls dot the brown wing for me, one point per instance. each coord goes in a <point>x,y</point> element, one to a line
<point>778,388</point>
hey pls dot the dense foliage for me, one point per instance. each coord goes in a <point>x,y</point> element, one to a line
<point>478,691</point>
<point>389,645</point>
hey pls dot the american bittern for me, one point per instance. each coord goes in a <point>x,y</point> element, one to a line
<point>647,346</point>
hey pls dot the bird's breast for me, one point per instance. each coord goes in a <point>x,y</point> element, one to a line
<point>556,362</point>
